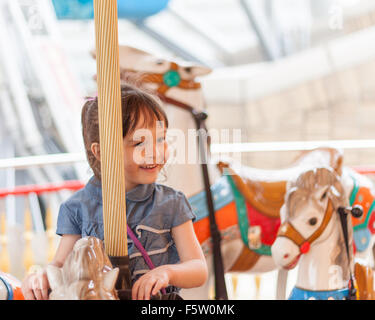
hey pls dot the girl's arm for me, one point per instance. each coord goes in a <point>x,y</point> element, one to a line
<point>191,272</point>
<point>66,245</point>
<point>35,285</point>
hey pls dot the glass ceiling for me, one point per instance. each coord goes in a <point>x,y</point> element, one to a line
<point>230,32</point>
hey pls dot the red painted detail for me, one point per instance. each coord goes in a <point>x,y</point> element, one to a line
<point>269,226</point>
<point>304,248</point>
<point>371,222</point>
<point>38,189</point>
<point>369,170</point>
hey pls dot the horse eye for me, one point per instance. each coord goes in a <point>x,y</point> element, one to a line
<point>313,221</point>
<point>324,195</point>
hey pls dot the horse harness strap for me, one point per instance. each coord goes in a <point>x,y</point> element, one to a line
<point>170,78</point>
<point>287,230</point>
<point>200,117</point>
<point>344,225</point>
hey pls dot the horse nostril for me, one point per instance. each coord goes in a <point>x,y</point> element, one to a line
<point>286,256</point>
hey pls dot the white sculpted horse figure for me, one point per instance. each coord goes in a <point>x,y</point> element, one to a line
<point>247,200</point>
<point>87,274</point>
<point>312,234</point>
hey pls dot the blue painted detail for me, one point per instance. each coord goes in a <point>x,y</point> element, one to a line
<point>301,294</point>
<point>172,78</point>
<point>362,239</point>
<point>221,193</point>
<point>9,288</point>
<point>127,9</point>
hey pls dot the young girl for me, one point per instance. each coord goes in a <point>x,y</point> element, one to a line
<point>160,216</point>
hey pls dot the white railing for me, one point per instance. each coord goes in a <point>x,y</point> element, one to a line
<point>216,148</point>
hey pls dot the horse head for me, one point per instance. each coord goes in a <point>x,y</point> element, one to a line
<point>311,203</point>
<point>165,77</point>
<point>87,274</point>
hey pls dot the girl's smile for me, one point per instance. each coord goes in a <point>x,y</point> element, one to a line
<point>150,167</point>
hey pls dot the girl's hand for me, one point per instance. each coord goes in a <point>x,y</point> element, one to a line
<point>150,283</point>
<point>35,286</point>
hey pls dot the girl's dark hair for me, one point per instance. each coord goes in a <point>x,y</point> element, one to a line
<point>135,101</point>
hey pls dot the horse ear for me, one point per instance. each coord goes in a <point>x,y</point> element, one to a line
<point>54,275</point>
<point>109,279</point>
<point>337,159</point>
<point>197,71</point>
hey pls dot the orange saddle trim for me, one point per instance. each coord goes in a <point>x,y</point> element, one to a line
<point>225,218</point>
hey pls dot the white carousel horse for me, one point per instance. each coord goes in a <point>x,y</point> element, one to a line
<point>87,274</point>
<point>246,202</point>
<point>311,233</point>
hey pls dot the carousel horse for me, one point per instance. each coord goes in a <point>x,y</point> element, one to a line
<point>246,200</point>
<point>87,274</point>
<point>10,287</point>
<point>317,234</point>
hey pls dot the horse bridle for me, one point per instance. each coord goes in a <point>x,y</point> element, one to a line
<point>287,230</point>
<point>166,80</point>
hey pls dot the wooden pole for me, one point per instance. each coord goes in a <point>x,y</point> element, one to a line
<point>110,127</point>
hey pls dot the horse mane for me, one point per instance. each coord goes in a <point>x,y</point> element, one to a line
<point>309,182</point>
<point>87,261</point>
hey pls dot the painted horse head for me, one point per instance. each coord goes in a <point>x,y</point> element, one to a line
<point>309,217</point>
<point>167,78</point>
<point>162,73</point>
<point>87,274</point>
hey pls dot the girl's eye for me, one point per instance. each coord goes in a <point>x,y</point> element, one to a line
<point>313,221</point>
<point>139,144</point>
<point>161,139</point>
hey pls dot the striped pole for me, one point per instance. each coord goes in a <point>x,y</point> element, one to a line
<point>110,127</point>
<point>111,142</point>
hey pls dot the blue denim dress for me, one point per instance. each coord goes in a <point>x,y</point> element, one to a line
<point>152,211</point>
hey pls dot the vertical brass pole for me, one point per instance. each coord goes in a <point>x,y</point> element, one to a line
<point>111,141</point>
<point>110,127</point>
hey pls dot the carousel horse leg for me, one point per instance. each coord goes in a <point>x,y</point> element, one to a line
<point>28,235</point>
<point>234,278</point>
<point>50,235</point>
<point>4,255</point>
<point>257,286</point>
<point>282,277</point>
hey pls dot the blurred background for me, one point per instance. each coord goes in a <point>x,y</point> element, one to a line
<point>285,71</point>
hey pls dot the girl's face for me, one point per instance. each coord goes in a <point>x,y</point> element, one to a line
<point>145,153</point>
